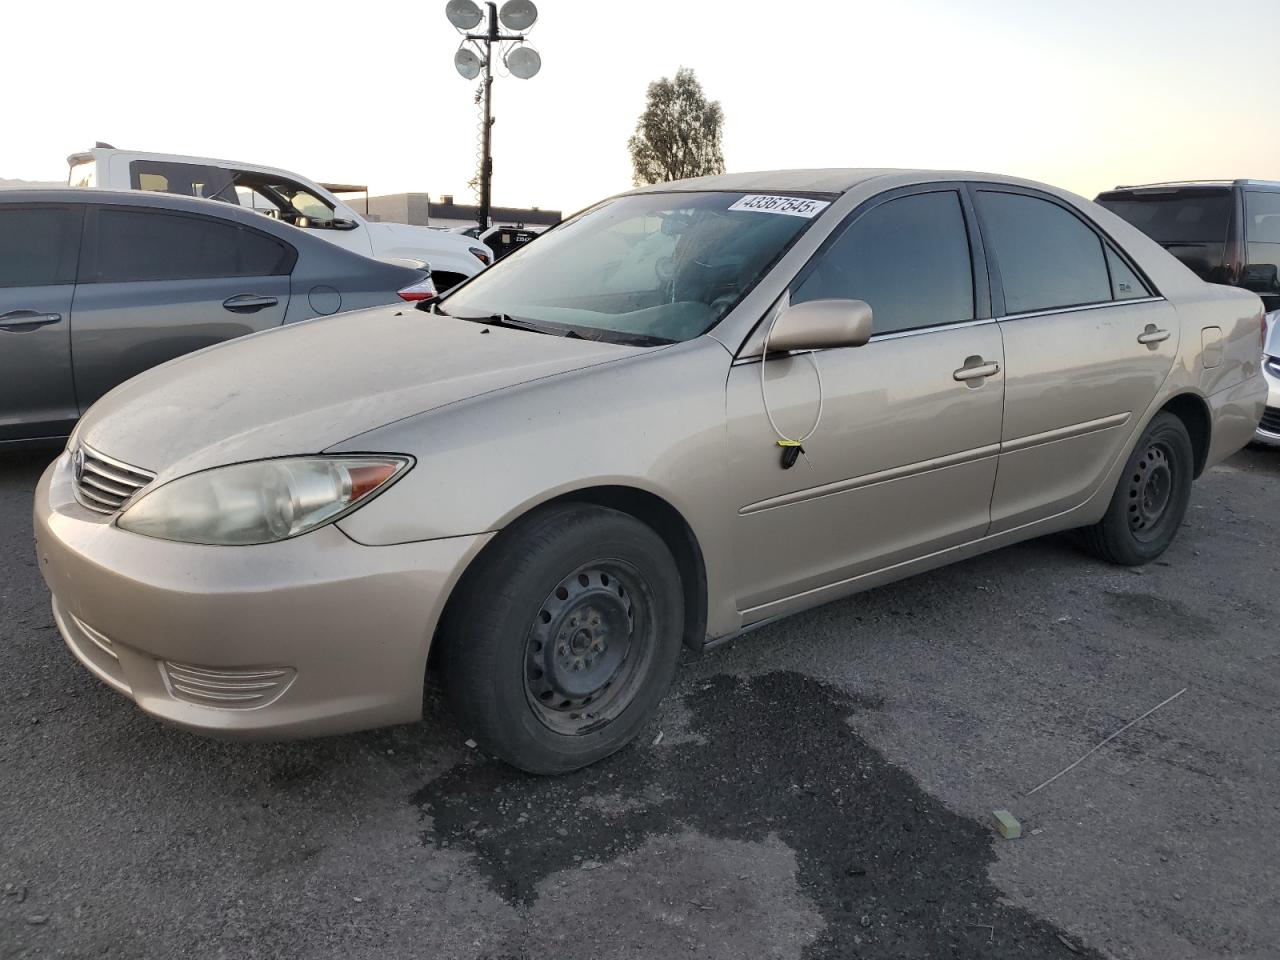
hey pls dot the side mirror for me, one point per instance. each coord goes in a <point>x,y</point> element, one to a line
<point>1261,278</point>
<point>817,324</point>
<point>339,223</point>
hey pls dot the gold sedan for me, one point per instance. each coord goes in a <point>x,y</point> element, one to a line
<point>686,411</point>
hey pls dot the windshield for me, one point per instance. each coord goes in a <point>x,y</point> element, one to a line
<point>661,266</point>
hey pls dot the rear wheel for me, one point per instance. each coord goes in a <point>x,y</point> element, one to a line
<point>1151,498</point>
<point>563,638</point>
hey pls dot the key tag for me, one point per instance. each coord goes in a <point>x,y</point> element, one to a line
<point>791,451</point>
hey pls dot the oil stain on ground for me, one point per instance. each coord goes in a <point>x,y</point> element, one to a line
<point>892,871</point>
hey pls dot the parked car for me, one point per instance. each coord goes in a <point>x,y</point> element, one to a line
<point>501,239</point>
<point>542,493</point>
<point>1269,429</point>
<point>97,285</point>
<point>1227,231</point>
<point>284,196</point>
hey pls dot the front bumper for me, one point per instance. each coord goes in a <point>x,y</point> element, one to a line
<point>1269,429</point>
<point>310,636</point>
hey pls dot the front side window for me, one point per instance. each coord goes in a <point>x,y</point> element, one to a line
<point>1048,257</point>
<point>908,258</point>
<point>38,245</point>
<point>145,245</point>
<point>648,268</point>
<point>282,199</point>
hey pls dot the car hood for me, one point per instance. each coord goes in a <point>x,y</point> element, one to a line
<point>305,387</point>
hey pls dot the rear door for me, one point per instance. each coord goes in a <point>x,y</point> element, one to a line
<point>155,284</point>
<point>38,248</point>
<point>1087,344</point>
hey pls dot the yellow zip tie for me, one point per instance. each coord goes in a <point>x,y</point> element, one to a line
<point>788,443</point>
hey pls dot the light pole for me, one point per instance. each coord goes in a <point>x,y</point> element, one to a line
<point>518,17</point>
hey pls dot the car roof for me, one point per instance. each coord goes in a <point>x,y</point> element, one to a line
<point>329,252</point>
<point>834,180</point>
<point>1195,184</point>
<point>135,198</point>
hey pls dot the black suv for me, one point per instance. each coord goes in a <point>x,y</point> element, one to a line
<point>1227,231</point>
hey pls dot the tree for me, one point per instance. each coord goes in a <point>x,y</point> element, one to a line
<point>678,135</point>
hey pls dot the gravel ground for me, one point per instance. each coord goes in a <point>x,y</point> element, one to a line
<point>821,788</point>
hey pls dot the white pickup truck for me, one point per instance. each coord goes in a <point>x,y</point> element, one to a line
<point>285,196</point>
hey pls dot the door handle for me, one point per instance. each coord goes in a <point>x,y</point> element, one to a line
<point>976,369</point>
<point>248,303</point>
<point>20,321</point>
<point>1151,335</point>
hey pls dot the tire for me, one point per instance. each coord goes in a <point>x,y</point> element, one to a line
<point>563,637</point>
<point>1151,498</point>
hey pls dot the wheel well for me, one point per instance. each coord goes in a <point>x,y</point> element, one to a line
<point>1193,413</point>
<point>666,521</point>
<point>663,519</point>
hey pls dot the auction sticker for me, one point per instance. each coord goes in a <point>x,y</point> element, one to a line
<point>790,206</point>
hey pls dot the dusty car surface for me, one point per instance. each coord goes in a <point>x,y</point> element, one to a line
<point>684,412</point>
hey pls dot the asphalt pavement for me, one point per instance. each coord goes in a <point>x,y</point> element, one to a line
<point>821,788</point>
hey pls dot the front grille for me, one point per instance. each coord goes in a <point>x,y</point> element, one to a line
<point>1271,420</point>
<point>233,689</point>
<point>103,484</point>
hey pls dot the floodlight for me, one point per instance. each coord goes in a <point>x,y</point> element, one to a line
<point>467,63</point>
<point>518,15</point>
<point>523,61</point>
<point>464,14</point>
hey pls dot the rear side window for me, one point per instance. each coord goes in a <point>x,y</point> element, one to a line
<point>1262,236</point>
<point>38,245</point>
<point>145,245</point>
<point>1263,213</point>
<point>908,258</point>
<point>1048,257</point>
<point>186,179</point>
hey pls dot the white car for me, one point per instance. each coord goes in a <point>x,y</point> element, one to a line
<point>284,196</point>
<point>1269,429</point>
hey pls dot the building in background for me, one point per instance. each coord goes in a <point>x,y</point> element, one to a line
<point>420,210</point>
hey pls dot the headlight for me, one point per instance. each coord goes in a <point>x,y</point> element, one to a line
<point>260,502</point>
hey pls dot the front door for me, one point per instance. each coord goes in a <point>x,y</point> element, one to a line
<point>1087,347</point>
<point>156,284</point>
<point>38,248</point>
<point>904,459</point>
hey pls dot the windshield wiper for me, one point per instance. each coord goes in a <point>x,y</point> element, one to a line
<point>503,320</point>
<point>554,329</point>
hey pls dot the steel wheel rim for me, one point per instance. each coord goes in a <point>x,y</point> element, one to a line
<point>1151,486</point>
<point>588,647</point>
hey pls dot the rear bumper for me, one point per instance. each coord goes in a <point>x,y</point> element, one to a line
<point>310,636</point>
<point>1234,413</point>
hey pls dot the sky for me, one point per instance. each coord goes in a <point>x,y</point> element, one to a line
<point>1084,94</point>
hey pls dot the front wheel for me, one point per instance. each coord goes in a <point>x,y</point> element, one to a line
<point>1151,498</point>
<point>563,638</point>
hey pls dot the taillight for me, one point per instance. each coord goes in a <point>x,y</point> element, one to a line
<point>483,255</point>
<point>424,289</point>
